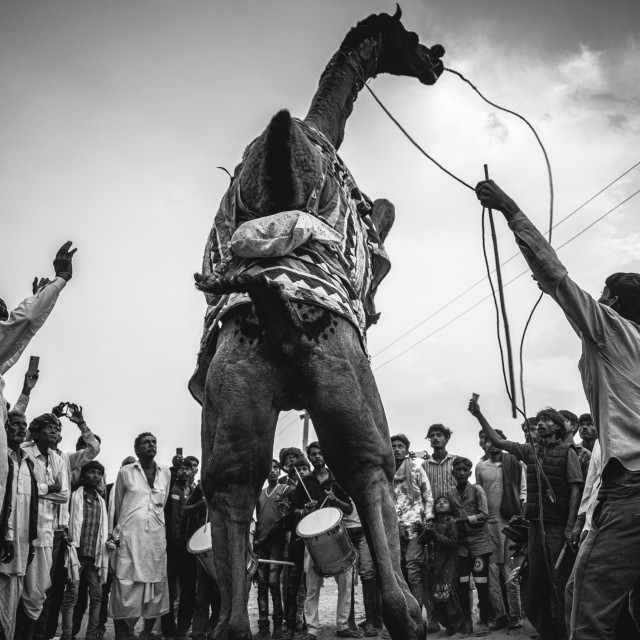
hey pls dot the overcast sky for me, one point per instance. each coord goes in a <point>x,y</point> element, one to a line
<point>116,114</point>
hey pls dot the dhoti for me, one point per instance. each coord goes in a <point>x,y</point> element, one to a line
<point>10,592</point>
<point>37,581</point>
<point>131,599</point>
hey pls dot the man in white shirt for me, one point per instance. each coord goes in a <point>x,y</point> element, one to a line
<point>140,587</point>
<point>53,488</point>
<point>18,327</point>
<point>21,510</point>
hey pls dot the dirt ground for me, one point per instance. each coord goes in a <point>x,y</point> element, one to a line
<point>328,599</point>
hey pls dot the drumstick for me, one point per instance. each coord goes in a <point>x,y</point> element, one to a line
<point>322,505</point>
<point>302,483</point>
<point>282,563</point>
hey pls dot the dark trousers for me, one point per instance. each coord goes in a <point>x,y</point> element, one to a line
<point>47,624</point>
<point>269,583</point>
<point>607,570</point>
<point>479,567</point>
<point>181,576</point>
<point>296,555</point>
<point>543,610</point>
<point>81,604</point>
<point>207,599</point>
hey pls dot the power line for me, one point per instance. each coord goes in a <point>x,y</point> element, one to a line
<point>515,255</point>
<point>564,244</point>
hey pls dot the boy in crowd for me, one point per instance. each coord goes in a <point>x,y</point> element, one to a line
<point>268,543</point>
<point>469,506</point>
<point>561,474</point>
<point>88,525</point>
<point>501,476</point>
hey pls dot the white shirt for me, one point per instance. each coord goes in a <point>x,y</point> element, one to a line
<point>15,333</point>
<point>591,485</point>
<point>139,524</point>
<point>47,470</point>
<point>18,524</point>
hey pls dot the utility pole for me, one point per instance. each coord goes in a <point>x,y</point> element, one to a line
<point>305,431</point>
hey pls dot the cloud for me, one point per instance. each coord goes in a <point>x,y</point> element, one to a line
<point>497,128</point>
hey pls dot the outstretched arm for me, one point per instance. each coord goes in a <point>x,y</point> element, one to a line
<point>589,318</point>
<point>492,435</point>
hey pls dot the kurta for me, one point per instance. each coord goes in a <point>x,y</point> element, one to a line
<point>140,527</point>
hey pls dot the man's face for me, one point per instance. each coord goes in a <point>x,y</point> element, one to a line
<point>588,431</point>
<point>147,447</point>
<point>315,457</point>
<point>183,473</point>
<point>194,470</point>
<point>47,436</point>
<point>437,439</point>
<point>461,472</point>
<point>491,449</point>
<point>304,471</point>
<point>58,436</point>
<point>16,429</point>
<point>546,428</point>
<point>92,478</point>
<point>569,426</point>
<point>290,458</point>
<point>274,474</point>
<point>399,449</point>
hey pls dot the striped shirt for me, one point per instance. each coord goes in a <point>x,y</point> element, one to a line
<point>440,475</point>
<point>91,514</point>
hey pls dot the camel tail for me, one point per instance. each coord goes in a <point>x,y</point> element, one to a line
<point>283,331</point>
<point>278,175</point>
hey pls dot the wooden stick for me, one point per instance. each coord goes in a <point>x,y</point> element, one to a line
<point>503,307</point>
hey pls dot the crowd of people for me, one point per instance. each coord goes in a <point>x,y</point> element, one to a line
<point>548,530</point>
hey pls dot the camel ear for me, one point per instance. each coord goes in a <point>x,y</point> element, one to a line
<point>398,14</point>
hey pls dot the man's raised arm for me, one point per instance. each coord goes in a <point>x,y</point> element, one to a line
<point>493,436</point>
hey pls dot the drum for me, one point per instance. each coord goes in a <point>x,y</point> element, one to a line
<point>327,541</point>
<point>199,545</point>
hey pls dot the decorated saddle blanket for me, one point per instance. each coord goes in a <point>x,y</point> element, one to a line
<point>329,254</point>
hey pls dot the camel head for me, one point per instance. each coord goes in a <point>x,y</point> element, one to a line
<point>399,51</point>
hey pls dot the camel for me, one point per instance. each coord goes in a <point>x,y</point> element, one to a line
<point>290,270</point>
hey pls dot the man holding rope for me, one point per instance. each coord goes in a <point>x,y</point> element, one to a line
<point>608,563</point>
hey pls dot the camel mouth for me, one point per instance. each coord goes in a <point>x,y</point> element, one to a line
<point>433,65</point>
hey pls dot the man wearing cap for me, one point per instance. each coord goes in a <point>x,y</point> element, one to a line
<point>18,327</point>
<point>609,330</point>
<point>53,488</point>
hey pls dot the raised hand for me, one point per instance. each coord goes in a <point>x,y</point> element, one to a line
<point>30,380</point>
<point>74,413</point>
<point>493,197</point>
<point>63,263</point>
<point>474,407</point>
<point>38,284</point>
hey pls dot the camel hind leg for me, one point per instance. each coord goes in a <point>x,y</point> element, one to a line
<point>238,426</point>
<point>348,416</point>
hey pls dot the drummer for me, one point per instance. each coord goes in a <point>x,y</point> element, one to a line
<point>302,501</point>
<point>332,495</point>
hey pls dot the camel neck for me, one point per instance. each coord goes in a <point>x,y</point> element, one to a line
<point>338,88</point>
